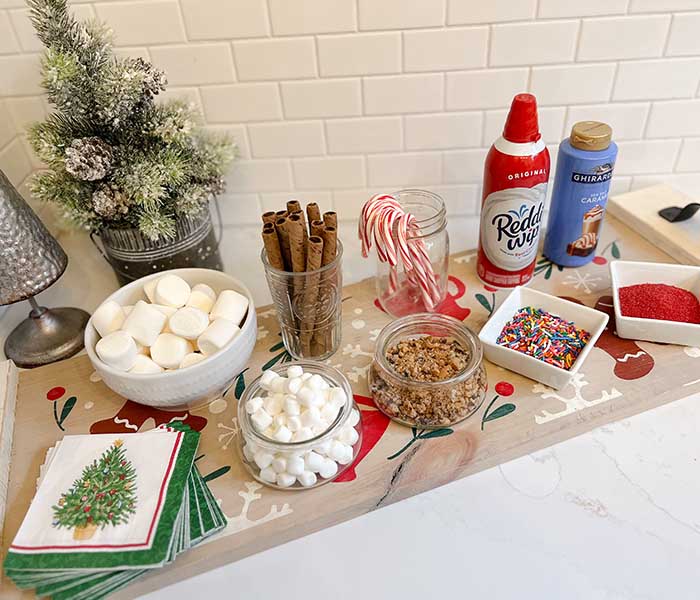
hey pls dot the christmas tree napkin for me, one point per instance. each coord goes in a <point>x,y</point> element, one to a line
<point>110,507</point>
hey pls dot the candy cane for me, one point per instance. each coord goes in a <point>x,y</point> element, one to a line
<point>396,236</point>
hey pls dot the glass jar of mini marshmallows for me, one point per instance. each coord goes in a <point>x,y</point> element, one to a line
<point>300,426</point>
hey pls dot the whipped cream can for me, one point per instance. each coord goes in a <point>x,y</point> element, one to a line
<point>584,169</point>
<point>515,186</point>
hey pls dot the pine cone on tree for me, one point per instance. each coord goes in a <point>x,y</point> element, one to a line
<point>109,203</point>
<point>89,158</point>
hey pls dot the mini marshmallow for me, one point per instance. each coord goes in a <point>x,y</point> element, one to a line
<point>219,333</point>
<point>283,434</point>
<point>295,465</point>
<point>191,359</point>
<point>201,297</point>
<point>324,447</point>
<point>279,420</point>
<point>354,417</point>
<point>306,376</point>
<point>144,323</point>
<point>144,365</point>
<point>108,318</point>
<point>315,382</point>
<point>263,459</point>
<point>268,474</point>
<point>337,397</point>
<point>291,406</point>
<point>285,479</point>
<point>248,452</point>
<point>273,404</point>
<point>279,464</point>
<point>311,418</point>
<point>292,386</point>
<point>169,350</point>
<point>172,290</point>
<point>307,478</point>
<point>261,420</point>
<point>305,396</point>
<point>117,350</point>
<point>267,378</point>
<point>294,424</point>
<point>337,450</point>
<point>278,384</point>
<point>253,405</point>
<point>313,462</point>
<point>349,436</point>
<point>303,434</point>
<point>346,458</point>
<point>328,469</point>
<point>329,413</point>
<point>149,288</point>
<point>295,371</point>
<point>230,305</point>
<point>188,322</point>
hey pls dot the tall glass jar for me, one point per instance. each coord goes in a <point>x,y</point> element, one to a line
<point>428,403</point>
<point>397,293</point>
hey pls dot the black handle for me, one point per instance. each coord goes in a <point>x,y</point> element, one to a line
<point>675,214</point>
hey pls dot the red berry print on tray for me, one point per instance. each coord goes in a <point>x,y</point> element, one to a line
<point>53,396</point>
<point>502,388</point>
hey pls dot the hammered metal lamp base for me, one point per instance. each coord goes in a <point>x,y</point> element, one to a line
<point>46,336</point>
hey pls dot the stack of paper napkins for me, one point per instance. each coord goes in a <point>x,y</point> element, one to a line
<point>110,507</point>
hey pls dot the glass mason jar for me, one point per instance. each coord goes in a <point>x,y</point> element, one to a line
<point>308,307</point>
<point>428,404</point>
<point>132,255</point>
<point>398,294</point>
<point>253,446</point>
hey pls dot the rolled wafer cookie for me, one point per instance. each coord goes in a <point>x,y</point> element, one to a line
<point>317,227</point>
<point>313,263</point>
<point>272,248</point>
<point>330,218</point>
<point>293,206</point>
<point>283,235</point>
<point>330,245</point>
<point>269,217</point>
<point>313,213</point>
<point>297,248</point>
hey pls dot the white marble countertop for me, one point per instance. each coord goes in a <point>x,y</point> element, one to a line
<point>613,514</point>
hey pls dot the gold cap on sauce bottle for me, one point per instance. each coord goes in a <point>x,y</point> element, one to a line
<point>590,135</point>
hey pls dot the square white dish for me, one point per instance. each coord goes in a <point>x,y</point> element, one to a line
<point>624,273</point>
<point>589,319</point>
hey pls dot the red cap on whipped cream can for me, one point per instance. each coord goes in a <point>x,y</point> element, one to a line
<point>515,185</point>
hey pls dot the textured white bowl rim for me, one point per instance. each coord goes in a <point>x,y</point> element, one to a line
<point>615,267</point>
<point>580,359</point>
<point>139,282</point>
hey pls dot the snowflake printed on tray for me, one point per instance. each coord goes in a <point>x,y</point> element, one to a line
<point>583,281</point>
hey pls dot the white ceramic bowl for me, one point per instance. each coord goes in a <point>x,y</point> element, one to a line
<point>624,273</point>
<point>589,319</point>
<point>192,385</point>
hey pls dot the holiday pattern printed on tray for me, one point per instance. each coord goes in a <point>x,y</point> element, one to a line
<point>517,415</point>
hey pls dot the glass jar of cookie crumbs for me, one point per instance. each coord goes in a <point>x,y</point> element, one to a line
<point>428,371</point>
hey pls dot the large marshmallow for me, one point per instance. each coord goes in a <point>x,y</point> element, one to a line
<point>188,322</point>
<point>202,297</point>
<point>172,290</point>
<point>145,365</point>
<point>191,359</point>
<point>149,288</point>
<point>108,318</point>
<point>117,350</point>
<point>169,350</point>
<point>230,305</point>
<point>307,478</point>
<point>219,333</point>
<point>144,323</point>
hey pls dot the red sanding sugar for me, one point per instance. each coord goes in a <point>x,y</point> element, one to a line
<point>659,301</point>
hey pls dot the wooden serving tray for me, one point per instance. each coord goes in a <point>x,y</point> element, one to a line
<point>619,379</point>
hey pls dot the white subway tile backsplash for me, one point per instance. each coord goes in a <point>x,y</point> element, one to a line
<point>8,40</point>
<point>259,176</point>
<point>295,138</point>
<point>404,169</point>
<point>551,121</point>
<point>15,162</point>
<point>224,19</point>
<point>258,60</point>
<point>676,118</point>
<point>667,5</point>
<point>237,133</point>
<point>144,22</point>
<point>467,11</point>
<point>684,39</point>
<point>689,159</point>
<point>646,156</point>
<point>459,199</point>
<point>399,14</point>
<point>187,94</point>
<point>25,111</point>
<point>239,209</point>
<point>464,166</point>
<point>19,75</point>
<point>28,40</point>
<point>199,64</point>
<point>359,54</point>
<point>572,84</point>
<point>403,94</point>
<point>484,89</point>
<point>278,200</point>
<point>627,120</point>
<point>443,131</point>
<point>533,43</point>
<point>8,129</point>
<point>331,173</point>
<point>241,102</point>
<point>658,79</point>
<point>365,135</point>
<point>318,99</point>
<point>549,9</point>
<point>311,16</point>
<point>445,49</point>
<point>623,37</point>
